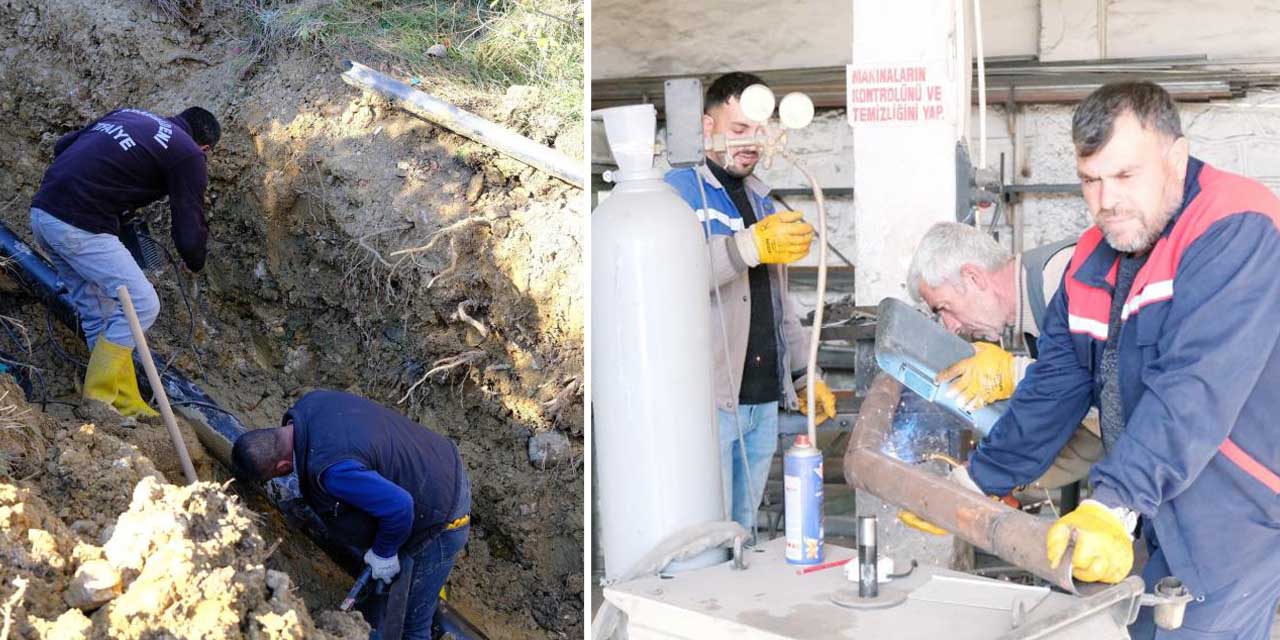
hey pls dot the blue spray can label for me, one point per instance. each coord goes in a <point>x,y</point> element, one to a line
<point>802,502</point>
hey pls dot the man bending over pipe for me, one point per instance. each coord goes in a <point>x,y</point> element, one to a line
<point>977,290</point>
<point>767,347</point>
<point>380,482</point>
<point>120,162</point>
<point>1165,321</point>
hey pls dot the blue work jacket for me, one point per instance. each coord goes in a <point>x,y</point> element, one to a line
<point>1199,371</point>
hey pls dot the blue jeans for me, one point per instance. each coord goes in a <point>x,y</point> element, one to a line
<point>93,265</point>
<point>759,424</point>
<point>431,567</point>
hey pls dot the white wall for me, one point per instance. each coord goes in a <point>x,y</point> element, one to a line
<point>631,39</point>
<point>1241,136</point>
<point>636,39</point>
<point>1220,29</point>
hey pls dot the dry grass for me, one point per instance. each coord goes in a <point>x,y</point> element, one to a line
<point>489,43</point>
<point>185,11</point>
<point>21,439</point>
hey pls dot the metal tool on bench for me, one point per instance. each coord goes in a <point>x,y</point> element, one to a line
<point>912,348</point>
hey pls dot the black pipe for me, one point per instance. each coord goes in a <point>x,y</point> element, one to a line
<point>451,621</point>
<point>216,427</point>
<point>35,275</point>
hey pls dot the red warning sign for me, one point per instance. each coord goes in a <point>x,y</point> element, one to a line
<point>896,94</point>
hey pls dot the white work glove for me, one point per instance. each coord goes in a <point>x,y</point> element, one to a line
<point>384,569</point>
<point>960,475</point>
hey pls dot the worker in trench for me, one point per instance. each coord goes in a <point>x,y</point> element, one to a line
<point>767,348</point>
<point>1166,322</point>
<point>381,483</point>
<point>977,289</point>
<point>116,164</point>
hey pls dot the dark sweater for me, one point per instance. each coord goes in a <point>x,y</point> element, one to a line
<point>123,161</point>
<point>397,462</point>
<point>761,383</point>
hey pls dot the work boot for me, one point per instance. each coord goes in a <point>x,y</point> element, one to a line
<point>111,380</point>
<point>129,400</point>
<point>101,377</point>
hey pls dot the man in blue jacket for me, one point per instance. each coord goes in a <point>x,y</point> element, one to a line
<point>380,482</point>
<point>1166,321</point>
<point>767,348</point>
<point>120,162</point>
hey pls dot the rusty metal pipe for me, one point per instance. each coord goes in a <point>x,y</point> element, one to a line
<point>1015,536</point>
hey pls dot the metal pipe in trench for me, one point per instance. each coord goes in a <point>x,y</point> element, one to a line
<point>501,139</point>
<point>1017,537</point>
<point>215,427</point>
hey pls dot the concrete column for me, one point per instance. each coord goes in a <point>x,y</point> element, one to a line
<point>908,99</point>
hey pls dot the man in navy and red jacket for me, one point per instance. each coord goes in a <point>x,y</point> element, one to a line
<point>1168,321</point>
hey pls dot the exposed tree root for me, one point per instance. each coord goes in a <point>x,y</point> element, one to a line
<point>461,314</point>
<point>444,365</point>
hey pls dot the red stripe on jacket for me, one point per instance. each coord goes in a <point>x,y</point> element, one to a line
<point>1221,195</point>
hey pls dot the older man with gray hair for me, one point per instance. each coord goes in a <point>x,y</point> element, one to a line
<point>978,289</point>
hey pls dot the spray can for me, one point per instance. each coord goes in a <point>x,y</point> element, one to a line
<point>802,501</point>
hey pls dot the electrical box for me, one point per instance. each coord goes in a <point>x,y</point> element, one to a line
<point>683,109</point>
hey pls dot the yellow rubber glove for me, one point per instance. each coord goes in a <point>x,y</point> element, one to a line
<point>983,378</point>
<point>782,237</point>
<point>960,475</point>
<point>916,522</point>
<point>1103,551</point>
<point>823,396</point>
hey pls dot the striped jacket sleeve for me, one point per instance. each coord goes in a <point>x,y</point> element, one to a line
<point>1044,411</point>
<point>733,250</point>
<point>1221,325</point>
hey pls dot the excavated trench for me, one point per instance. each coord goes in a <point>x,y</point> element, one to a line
<point>97,544</point>
<point>476,334</point>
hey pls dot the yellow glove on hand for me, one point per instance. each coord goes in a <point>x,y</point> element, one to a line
<point>1103,551</point>
<point>960,475</point>
<point>916,522</point>
<point>825,399</point>
<point>981,379</point>
<point>782,237</point>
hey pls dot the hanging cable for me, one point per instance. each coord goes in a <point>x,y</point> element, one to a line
<point>57,346</point>
<point>733,384</point>
<point>982,84</point>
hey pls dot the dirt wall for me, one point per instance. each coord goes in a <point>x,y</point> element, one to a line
<point>312,190</point>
